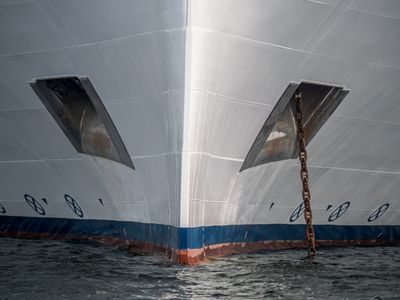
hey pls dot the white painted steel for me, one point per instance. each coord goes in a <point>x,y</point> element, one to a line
<point>189,85</point>
<point>133,53</point>
<point>243,57</point>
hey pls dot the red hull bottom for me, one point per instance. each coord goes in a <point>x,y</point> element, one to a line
<point>196,256</point>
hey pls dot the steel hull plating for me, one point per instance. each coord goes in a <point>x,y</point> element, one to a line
<point>192,245</point>
<point>188,86</point>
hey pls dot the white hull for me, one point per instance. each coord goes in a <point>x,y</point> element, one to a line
<point>188,85</point>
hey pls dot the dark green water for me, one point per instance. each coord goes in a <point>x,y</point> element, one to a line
<point>65,270</point>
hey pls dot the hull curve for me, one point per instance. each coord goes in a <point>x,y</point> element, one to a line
<point>186,86</point>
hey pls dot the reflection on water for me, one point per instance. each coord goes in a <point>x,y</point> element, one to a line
<point>65,270</point>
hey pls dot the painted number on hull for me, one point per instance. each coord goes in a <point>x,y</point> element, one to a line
<point>34,204</point>
<point>74,205</point>
<point>378,212</point>
<point>299,210</point>
<point>339,211</point>
<point>2,209</point>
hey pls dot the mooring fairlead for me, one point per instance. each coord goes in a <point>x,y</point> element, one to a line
<point>304,175</point>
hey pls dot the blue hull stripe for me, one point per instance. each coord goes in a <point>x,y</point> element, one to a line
<point>193,238</point>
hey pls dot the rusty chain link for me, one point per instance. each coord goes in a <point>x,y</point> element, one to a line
<point>304,176</point>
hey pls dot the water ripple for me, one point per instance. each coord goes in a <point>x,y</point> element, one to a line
<point>76,270</point>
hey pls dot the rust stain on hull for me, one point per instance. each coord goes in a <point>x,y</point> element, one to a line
<point>196,256</point>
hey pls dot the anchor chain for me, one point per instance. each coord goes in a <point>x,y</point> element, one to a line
<point>304,176</point>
